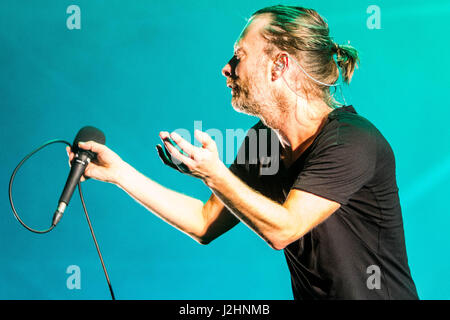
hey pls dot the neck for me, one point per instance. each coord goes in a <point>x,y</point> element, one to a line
<point>300,128</point>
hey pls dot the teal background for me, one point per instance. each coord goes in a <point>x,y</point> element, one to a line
<point>138,67</point>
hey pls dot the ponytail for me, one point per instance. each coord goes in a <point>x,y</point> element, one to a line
<point>347,59</point>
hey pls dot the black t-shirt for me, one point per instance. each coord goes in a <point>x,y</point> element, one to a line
<point>359,251</point>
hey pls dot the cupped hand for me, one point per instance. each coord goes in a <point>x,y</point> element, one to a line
<point>202,162</point>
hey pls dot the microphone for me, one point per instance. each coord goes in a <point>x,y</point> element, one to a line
<point>79,164</point>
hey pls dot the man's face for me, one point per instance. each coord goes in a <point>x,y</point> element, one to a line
<point>247,70</point>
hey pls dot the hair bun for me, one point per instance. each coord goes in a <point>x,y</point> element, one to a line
<point>336,48</point>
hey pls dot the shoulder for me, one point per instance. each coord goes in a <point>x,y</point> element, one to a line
<point>348,129</point>
<point>348,142</point>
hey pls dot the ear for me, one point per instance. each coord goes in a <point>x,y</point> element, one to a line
<point>280,65</point>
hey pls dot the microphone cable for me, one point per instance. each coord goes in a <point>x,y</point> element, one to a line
<point>16,215</point>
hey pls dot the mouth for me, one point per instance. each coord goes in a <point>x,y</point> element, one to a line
<point>233,87</point>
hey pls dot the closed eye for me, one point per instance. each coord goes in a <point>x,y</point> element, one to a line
<point>234,60</point>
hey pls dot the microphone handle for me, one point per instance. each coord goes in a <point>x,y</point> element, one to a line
<point>79,164</point>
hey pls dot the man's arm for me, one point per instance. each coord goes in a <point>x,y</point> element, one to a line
<point>202,222</point>
<point>279,225</point>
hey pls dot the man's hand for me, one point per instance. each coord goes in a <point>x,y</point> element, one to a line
<point>204,162</point>
<point>106,167</point>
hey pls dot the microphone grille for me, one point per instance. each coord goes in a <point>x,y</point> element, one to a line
<point>89,133</point>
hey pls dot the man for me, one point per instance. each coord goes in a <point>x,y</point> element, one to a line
<point>332,206</point>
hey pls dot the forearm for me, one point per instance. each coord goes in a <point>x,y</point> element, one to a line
<point>181,211</point>
<point>270,220</point>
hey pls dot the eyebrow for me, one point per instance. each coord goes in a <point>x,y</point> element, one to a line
<point>238,49</point>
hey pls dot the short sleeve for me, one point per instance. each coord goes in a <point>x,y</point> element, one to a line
<point>340,164</point>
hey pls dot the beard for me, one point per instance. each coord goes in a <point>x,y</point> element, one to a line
<point>250,97</point>
<point>246,97</point>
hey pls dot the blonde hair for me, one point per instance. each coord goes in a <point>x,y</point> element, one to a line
<point>304,34</point>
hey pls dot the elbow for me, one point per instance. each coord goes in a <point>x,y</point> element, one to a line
<point>205,236</point>
<point>277,245</point>
<point>203,240</point>
<point>286,233</point>
<point>282,239</point>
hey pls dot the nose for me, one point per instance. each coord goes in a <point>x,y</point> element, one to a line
<point>230,68</point>
<point>226,71</point>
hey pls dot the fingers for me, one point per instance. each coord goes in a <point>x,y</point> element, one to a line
<point>189,154</point>
<point>175,138</point>
<point>164,135</point>
<point>204,138</point>
<point>164,157</point>
<point>168,161</point>
<point>188,148</point>
<point>71,155</point>
<point>178,155</point>
<point>92,146</point>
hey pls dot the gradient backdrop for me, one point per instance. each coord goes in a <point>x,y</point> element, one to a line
<point>138,67</point>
